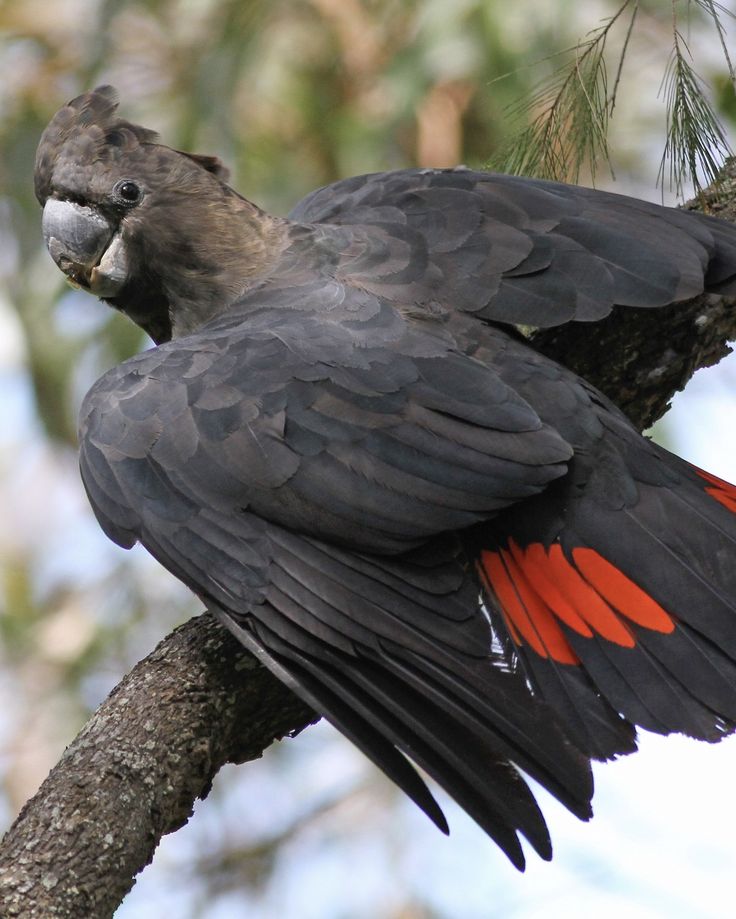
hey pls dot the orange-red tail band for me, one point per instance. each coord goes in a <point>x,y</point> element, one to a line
<point>539,588</point>
<point>724,492</point>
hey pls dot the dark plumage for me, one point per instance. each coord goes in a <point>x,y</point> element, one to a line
<point>452,547</point>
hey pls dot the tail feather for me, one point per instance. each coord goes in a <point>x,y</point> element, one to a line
<point>469,707</point>
<point>630,612</point>
<point>711,675</point>
<point>645,691</point>
<point>407,690</point>
<point>379,714</point>
<point>332,704</point>
<point>723,492</point>
<point>592,723</point>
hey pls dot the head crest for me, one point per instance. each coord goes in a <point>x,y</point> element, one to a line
<point>86,130</point>
<point>85,133</point>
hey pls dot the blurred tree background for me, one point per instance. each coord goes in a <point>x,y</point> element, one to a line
<point>291,94</point>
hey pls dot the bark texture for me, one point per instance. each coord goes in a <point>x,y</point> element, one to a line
<point>199,701</point>
<point>135,770</point>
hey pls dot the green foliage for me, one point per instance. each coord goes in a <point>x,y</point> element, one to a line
<point>696,144</point>
<point>569,112</point>
<point>567,116</point>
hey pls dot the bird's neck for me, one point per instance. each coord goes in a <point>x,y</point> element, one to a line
<point>197,271</point>
<point>240,250</point>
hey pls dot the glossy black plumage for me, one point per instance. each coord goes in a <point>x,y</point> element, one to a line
<point>370,483</point>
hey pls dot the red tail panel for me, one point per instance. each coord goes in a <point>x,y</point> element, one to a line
<point>589,605</point>
<point>621,592</point>
<point>535,561</point>
<point>724,492</point>
<point>538,589</point>
<point>527,617</point>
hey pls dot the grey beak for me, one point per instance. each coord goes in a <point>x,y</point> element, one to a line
<point>76,236</point>
<point>85,246</point>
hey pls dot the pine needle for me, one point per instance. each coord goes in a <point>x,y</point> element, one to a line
<point>696,144</point>
<point>573,109</point>
<point>712,9</point>
<point>569,114</point>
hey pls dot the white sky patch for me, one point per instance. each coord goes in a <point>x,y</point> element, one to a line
<point>702,420</point>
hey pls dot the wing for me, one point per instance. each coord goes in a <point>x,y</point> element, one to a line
<point>325,426</point>
<point>232,454</point>
<point>518,250</point>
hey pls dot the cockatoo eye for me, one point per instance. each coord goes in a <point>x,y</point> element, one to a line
<point>127,192</point>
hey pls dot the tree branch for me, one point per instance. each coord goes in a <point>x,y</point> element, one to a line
<point>199,701</point>
<point>135,770</point>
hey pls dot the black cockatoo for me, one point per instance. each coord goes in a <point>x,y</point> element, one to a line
<point>459,552</point>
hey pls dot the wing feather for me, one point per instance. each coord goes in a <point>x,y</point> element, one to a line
<point>523,251</point>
